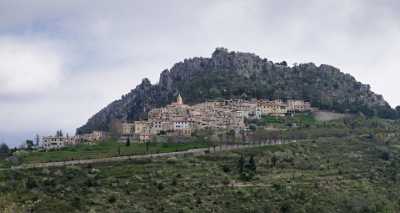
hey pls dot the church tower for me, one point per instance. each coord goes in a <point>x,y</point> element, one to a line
<point>179,100</point>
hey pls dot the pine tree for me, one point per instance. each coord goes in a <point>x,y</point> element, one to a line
<point>252,164</point>
<point>4,149</point>
<point>241,164</point>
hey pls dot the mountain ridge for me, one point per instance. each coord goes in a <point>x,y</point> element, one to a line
<point>229,74</point>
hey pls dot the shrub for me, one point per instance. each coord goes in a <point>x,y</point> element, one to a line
<point>30,183</point>
<point>226,168</point>
<point>112,199</point>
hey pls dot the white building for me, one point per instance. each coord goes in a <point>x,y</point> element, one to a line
<point>54,142</point>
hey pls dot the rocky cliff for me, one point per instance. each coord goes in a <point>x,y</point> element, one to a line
<point>244,75</point>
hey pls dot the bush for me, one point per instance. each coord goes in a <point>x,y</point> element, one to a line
<point>112,199</point>
<point>30,183</point>
<point>226,168</point>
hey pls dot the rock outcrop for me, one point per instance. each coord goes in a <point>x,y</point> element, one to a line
<point>244,75</point>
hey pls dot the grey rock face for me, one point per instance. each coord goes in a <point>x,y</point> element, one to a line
<point>235,74</point>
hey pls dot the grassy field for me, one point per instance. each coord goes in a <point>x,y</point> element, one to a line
<point>324,175</point>
<point>298,119</point>
<point>106,149</point>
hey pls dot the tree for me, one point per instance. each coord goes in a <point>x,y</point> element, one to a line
<point>29,144</point>
<point>242,136</point>
<point>231,136</point>
<point>147,145</point>
<point>261,135</point>
<point>398,112</point>
<point>4,149</point>
<point>59,133</point>
<point>37,140</point>
<point>213,140</point>
<point>128,142</point>
<point>221,139</point>
<point>252,127</point>
<point>241,164</point>
<point>252,164</point>
<point>247,170</point>
<point>115,128</point>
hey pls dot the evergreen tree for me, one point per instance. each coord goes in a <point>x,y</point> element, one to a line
<point>147,146</point>
<point>128,142</point>
<point>29,144</point>
<point>37,140</point>
<point>252,164</point>
<point>241,164</point>
<point>4,149</point>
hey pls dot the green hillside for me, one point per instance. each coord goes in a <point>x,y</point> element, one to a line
<point>358,171</point>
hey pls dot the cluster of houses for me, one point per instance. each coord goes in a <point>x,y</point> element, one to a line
<point>60,141</point>
<point>179,119</point>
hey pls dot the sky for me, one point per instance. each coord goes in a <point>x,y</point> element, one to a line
<point>63,61</point>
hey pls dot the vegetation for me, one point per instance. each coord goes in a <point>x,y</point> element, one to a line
<point>296,120</point>
<point>326,175</point>
<point>4,149</point>
<point>109,148</point>
<point>347,165</point>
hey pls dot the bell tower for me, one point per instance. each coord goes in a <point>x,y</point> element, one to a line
<point>179,100</point>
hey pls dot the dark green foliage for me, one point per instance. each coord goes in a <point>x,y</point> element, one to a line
<point>247,170</point>
<point>252,127</point>
<point>128,142</point>
<point>241,164</point>
<point>252,164</point>
<point>30,183</point>
<point>226,168</point>
<point>59,133</point>
<point>29,144</point>
<point>112,199</point>
<point>4,149</point>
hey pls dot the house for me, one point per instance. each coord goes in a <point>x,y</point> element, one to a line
<point>92,137</point>
<point>274,108</point>
<point>128,129</point>
<point>54,142</point>
<point>180,119</point>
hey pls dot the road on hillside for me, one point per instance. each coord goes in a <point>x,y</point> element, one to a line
<point>191,152</point>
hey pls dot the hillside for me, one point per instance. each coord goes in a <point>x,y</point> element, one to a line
<point>348,174</point>
<point>244,75</point>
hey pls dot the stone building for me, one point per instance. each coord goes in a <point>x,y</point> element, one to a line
<point>180,119</point>
<point>128,129</point>
<point>54,142</point>
<point>273,108</point>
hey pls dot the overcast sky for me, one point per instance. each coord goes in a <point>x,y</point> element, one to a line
<point>62,61</point>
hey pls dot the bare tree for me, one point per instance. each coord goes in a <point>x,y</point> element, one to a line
<point>115,128</point>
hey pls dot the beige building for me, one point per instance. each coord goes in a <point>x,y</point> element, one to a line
<point>128,129</point>
<point>298,106</point>
<point>95,136</point>
<point>142,130</point>
<point>181,120</point>
<point>54,142</point>
<point>274,108</point>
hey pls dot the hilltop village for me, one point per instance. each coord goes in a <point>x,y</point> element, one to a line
<point>179,119</point>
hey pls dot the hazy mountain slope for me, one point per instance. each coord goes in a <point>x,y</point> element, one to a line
<point>235,74</point>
